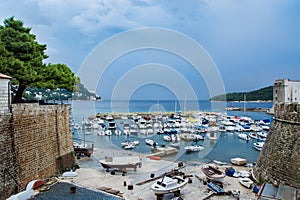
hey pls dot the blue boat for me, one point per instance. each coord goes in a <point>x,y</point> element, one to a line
<point>215,188</point>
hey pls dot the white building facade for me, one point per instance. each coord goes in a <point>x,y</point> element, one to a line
<point>286,91</point>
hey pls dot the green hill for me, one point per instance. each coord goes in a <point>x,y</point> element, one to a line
<point>263,94</point>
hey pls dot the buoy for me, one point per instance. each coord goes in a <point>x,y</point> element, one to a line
<point>73,189</point>
<point>124,183</point>
<point>152,175</point>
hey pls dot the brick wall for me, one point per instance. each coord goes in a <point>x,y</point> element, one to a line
<point>280,158</point>
<point>42,141</point>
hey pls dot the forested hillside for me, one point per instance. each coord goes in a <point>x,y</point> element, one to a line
<point>263,94</point>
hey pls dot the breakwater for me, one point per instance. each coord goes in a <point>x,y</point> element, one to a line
<point>35,143</point>
<point>279,160</point>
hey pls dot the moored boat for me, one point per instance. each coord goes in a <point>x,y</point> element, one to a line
<point>193,148</point>
<point>238,161</point>
<point>243,136</point>
<point>258,145</point>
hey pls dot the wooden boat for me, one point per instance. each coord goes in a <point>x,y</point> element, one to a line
<point>121,163</point>
<point>169,184</point>
<point>213,173</point>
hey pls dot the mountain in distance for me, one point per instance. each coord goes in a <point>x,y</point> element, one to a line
<point>263,94</point>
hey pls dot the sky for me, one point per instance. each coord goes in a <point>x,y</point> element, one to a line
<point>240,45</point>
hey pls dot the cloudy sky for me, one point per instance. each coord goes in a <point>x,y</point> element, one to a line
<point>251,42</point>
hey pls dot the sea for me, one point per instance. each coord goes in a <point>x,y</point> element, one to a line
<point>227,146</point>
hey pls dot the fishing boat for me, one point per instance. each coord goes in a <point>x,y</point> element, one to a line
<point>121,163</point>
<point>213,173</point>
<point>169,184</point>
<point>193,148</point>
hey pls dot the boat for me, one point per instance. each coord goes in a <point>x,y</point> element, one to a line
<point>169,184</point>
<point>253,135</point>
<point>262,134</point>
<point>193,148</point>
<point>70,174</point>
<point>108,132</point>
<point>121,163</point>
<point>77,126</point>
<point>83,149</point>
<point>243,136</point>
<point>135,143</point>
<point>258,145</point>
<point>118,132</point>
<point>167,138</point>
<point>129,146</point>
<point>150,142</point>
<point>213,173</point>
<point>246,182</point>
<point>187,136</point>
<point>101,132</point>
<point>215,188</point>
<point>175,145</point>
<point>238,161</point>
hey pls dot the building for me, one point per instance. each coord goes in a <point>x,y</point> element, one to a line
<point>286,91</point>
<point>5,100</point>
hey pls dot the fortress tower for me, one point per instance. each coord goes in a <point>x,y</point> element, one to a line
<point>279,159</point>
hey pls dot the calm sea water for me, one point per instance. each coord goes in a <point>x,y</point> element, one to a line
<point>223,149</point>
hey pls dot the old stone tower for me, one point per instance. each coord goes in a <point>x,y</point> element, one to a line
<point>279,159</point>
<point>35,141</point>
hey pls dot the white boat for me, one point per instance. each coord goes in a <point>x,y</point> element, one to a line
<point>262,134</point>
<point>193,148</point>
<point>135,143</point>
<point>77,126</point>
<point>266,128</point>
<point>243,136</point>
<point>167,184</point>
<point>253,135</point>
<point>258,145</point>
<point>129,146</point>
<point>167,138</point>
<point>70,174</point>
<point>246,182</point>
<point>150,142</point>
<point>108,132</point>
<point>101,133</point>
<point>118,132</point>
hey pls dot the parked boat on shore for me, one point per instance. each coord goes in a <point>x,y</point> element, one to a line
<point>213,173</point>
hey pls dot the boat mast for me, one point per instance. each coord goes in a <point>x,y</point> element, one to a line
<point>244,104</point>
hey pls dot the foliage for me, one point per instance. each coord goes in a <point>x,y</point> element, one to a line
<point>22,58</point>
<point>263,94</point>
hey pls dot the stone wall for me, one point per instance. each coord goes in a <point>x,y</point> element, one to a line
<point>279,159</point>
<point>8,169</point>
<point>41,139</point>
